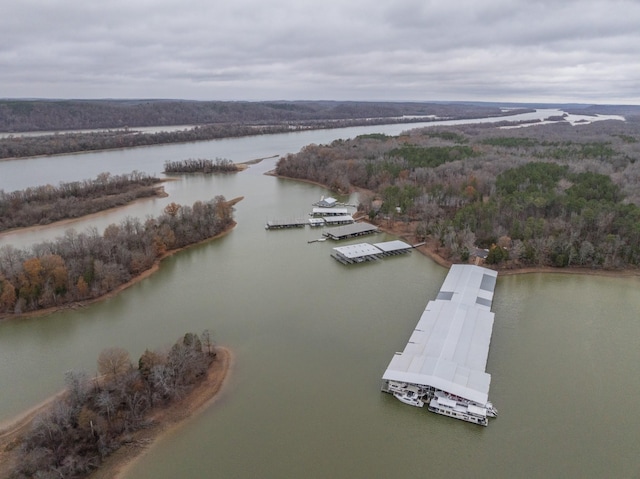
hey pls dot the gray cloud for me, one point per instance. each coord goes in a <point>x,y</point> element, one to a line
<point>510,50</point>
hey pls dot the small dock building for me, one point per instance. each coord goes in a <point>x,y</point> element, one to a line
<point>329,211</point>
<point>284,224</point>
<point>362,252</point>
<point>350,231</point>
<point>444,361</point>
<point>328,202</point>
<point>338,220</point>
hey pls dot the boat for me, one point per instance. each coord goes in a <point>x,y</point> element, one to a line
<point>395,386</point>
<point>409,397</point>
<point>442,404</point>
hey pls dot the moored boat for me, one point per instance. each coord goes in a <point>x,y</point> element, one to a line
<point>409,397</point>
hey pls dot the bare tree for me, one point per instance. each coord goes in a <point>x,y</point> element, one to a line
<point>114,362</point>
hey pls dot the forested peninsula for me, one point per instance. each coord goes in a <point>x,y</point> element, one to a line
<point>104,421</point>
<point>542,196</point>
<point>80,267</point>
<point>201,121</point>
<point>42,205</point>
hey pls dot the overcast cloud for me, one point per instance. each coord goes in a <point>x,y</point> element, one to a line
<point>419,50</point>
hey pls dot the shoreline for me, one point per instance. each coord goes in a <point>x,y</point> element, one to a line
<point>164,422</point>
<point>169,420</point>
<point>145,274</point>
<point>431,251</point>
<point>71,221</point>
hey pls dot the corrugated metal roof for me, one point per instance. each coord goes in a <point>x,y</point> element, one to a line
<point>337,219</point>
<point>449,347</point>
<point>395,245</point>
<point>352,229</point>
<point>357,250</point>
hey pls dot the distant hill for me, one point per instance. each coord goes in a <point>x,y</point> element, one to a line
<point>60,115</point>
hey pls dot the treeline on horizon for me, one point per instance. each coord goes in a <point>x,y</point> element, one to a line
<point>84,266</point>
<point>545,195</point>
<point>59,115</point>
<point>212,120</point>
<point>201,165</point>
<point>46,204</point>
<point>96,416</point>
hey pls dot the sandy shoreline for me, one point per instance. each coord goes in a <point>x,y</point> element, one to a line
<point>168,420</point>
<point>145,274</point>
<point>165,421</point>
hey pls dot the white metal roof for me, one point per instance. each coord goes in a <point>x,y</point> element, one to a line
<point>351,229</point>
<point>449,347</point>
<point>395,245</point>
<point>357,250</point>
<point>337,218</point>
<point>328,201</point>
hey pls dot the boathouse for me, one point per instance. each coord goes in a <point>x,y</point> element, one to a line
<point>362,252</point>
<point>283,224</point>
<point>338,220</point>
<point>444,361</point>
<point>328,202</point>
<point>315,222</point>
<point>350,231</point>
<point>329,211</point>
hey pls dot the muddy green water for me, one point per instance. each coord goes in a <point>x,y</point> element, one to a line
<point>311,339</point>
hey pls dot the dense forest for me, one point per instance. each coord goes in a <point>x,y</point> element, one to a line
<point>95,416</point>
<point>73,142</point>
<point>201,165</point>
<point>60,115</point>
<point>545,195</point>
<point>45,204</point>
<point>84,266</point>
<point>208,120</point>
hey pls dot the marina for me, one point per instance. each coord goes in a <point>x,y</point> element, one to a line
<point>443,364</point>
<point>565,340</point>
<point>363,252</point>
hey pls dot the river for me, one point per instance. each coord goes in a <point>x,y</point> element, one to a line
<point>311,339</point>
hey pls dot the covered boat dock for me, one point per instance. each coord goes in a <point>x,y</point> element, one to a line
<point>284,224</point>
<point>446,355</point>
<point>362,252</point>
<point>350,231</point>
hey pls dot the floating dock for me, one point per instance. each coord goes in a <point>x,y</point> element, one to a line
<point>363,252</point>
<point>337,220</point>
<point>329,211</point>
<point>350,231</point>
<point>284,224</point>
<point>444,361</point>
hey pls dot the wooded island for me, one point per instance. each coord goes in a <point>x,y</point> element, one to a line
<point>42,205</point>
<point>123,404</point>
<point>85,266</point>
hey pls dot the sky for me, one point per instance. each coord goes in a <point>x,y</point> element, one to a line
<point>585,51</point>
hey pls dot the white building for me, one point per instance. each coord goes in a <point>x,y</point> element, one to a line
<point>444,361</point>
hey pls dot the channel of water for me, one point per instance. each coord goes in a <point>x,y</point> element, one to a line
<point>311,339</point>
